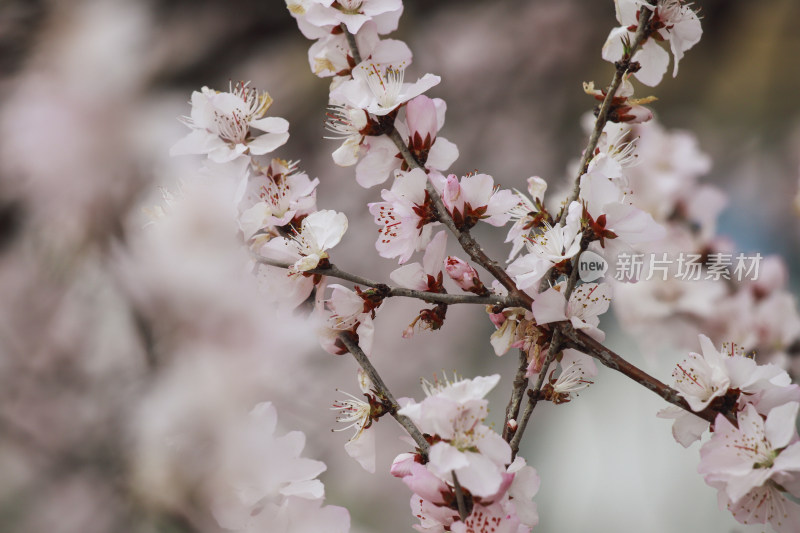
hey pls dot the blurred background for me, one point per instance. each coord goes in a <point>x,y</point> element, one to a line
<point>110,340</point>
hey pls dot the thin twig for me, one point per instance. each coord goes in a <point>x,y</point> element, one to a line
<point>600,123</point>
<point>389,291</point>
<point>351,42</point>
<point>517,391</point>
<point>384,392</point>
<point>533,394</point>
<point>462,506</point>
<point>584,343</point>
<point>605,107</point>
<point>465,239</point>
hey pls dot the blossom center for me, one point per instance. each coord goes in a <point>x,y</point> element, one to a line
<point>385,85</point>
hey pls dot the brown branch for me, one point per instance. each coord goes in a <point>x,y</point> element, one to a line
<point>465,239</point>
<point>533,394</point>
<point>351,42</point>
<point>388,291</point>
<point>584,343</point>
<point>384,392</point>
<point>517,390</point>
<point>622,68</point>
<point>462,506</point>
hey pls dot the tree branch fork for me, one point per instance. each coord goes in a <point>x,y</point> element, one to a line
<point>563,335</point>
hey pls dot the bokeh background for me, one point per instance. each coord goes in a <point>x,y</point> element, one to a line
<point>89,95</point>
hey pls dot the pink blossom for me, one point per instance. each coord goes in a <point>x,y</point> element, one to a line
<point>454,411</point>
<point>585,305</point>
<point>509,323</point>
<point>494,518</point>
<point>464,275</point>
<point>612,211</point>
<point>317,18</point>
<point>281,471</point>
<point>474,198</point>
<point>379,89</point>
<point>275,196</point>
<point>428,275</point>
<point>319,232</point>
<point>755,454</point>
<point>672,20</point>
<point>525,214</point>
<point>577,369</point>
<point>546,249</point>
<point>421,117</point>
<point>700,379</point>
<point>380,154</point>
<point>221,125</point>
<point>344,311</point>
<point>295,515</point>
<point>331,54</point>
<point>403,216</point>
<point>358,414</point>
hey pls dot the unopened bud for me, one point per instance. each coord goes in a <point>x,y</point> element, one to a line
<point>536,187</point>
<point>464,275</point>
<point>421,120</point>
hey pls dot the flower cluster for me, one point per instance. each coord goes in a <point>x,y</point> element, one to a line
<point>672,21</point>
<point>750,463</point>
<point>759,315</point>
<point>635,189</point>
<point>465,451</point>
<point>283,494</point>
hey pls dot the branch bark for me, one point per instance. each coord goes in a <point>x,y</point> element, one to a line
<point>533,394</point>
<point>384,392</point>
<point>584,343</point>
<point>465,239</point>
<point>462,506</point>
<point>517,390</point>
<point>389,291</point>
<point>602,116</point>
<point>621,69</point>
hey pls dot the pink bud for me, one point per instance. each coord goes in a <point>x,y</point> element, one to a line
<point>512,425</point>
<point>498,319</point>
<point>421,119</point>
<point>452,193</point>
<point>464,275</point>
<point>401,466</point>
<point>638,114</point>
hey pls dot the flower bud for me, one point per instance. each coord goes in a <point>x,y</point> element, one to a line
<point>536,187</point>
<point>464,275</point>
<point>421,120</point>
<point>637,114</point>
<point>452,193</point>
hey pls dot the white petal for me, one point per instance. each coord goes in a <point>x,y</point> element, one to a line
<point>264,144</point>
<point>780,425</point>
<point>362,449</point>
<point>435,253</point>
<point>654,61</point>
<point>270,124</point>
<point>410,276</point>
<point>549,306</point>
<point>447,458</point>
<point>442,154</point>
